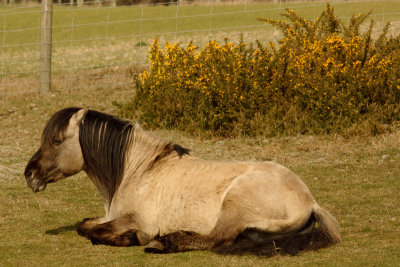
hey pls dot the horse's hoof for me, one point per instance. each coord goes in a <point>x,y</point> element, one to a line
<point>155,247</point>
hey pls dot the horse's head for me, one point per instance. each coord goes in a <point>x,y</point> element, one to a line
<point>60,154</point>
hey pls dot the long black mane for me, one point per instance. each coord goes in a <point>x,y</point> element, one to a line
<point>104,139</point>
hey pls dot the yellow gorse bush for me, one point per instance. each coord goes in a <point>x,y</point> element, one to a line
<point>321,77</point>
<point>203,71</point>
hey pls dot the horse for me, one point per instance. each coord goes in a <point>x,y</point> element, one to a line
<point>157,195</point>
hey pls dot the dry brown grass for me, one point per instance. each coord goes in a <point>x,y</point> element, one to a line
<point>109,77</point>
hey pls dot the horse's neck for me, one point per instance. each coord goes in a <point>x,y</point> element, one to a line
<point>142,151</point>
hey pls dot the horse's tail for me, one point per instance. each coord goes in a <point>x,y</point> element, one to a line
<point>327,224</point>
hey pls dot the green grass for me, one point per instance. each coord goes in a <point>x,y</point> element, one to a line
<point>349,177</point>
<point>91,36</point>
<point>94,22</point>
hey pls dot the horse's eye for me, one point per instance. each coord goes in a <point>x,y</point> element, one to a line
<point>57,142</point>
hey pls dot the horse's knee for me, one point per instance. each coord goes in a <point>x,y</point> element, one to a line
<point>81,229</point>
<point>87,224</point>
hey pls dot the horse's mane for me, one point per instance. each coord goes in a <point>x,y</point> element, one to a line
<point>146,152</point>
<point>103,139</point>
<point>106,142</point>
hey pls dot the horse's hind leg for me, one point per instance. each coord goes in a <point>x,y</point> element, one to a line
<point>120,232</point>
<point>224,233</point>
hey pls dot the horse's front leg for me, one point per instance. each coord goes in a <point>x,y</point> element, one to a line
<point>121,232</point>
<point>87,225</point>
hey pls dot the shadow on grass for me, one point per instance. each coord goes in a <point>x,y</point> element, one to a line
<point>62,229</point>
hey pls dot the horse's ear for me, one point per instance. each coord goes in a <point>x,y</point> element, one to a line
<point>78,116</point>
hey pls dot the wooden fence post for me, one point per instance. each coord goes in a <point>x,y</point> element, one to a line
<point>45,53</point>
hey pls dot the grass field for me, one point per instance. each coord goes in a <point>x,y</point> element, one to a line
<point>102,37</point>
<point>356,179</point>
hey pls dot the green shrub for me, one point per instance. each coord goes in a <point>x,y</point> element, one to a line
<point>322,77</point>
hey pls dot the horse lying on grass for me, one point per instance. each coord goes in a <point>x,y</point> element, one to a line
<point>158,196</point>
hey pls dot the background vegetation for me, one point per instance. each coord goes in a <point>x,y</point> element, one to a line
<point>323,77</point>
<point>101,42</point>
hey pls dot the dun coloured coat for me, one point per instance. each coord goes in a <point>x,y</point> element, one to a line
<point>156,195</point>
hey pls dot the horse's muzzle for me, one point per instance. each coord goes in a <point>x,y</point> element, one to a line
<point>36,184</point>
<point>32,182</point>
<point>39,188</point>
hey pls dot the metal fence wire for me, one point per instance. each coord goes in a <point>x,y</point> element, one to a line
<point>102,44</point>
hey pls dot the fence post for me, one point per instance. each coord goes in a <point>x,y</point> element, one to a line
<point>45,53</point>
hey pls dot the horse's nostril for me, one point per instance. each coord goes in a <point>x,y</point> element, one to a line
<point>28,174</point>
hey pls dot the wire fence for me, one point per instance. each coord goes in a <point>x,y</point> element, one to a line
<point>102,45</point>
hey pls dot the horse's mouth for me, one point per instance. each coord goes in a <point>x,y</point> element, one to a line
<point>40,184</point>
<point>39,187</point>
